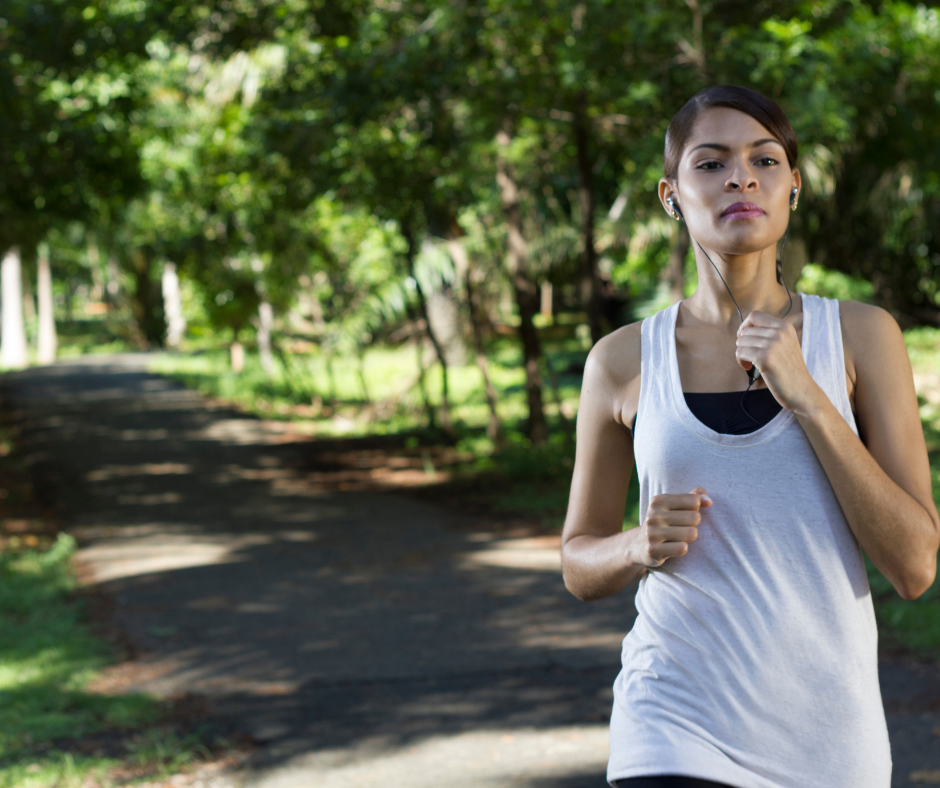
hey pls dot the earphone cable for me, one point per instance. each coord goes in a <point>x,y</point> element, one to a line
<point>789,307</point>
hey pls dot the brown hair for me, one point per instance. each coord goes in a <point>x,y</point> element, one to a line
<point>746,100</point>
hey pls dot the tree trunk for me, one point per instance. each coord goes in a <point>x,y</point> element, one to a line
<point>675,269</point>
<point>794,258</point>
<point>438,349</point>
<point>13,354</point>
<point>47,342</point>
<point>97,278</point>
<point>147,304</point>
<point>589,284</point>
<point>546,306</point>
<point>444,313</point>
<point>237,356</point>
<point>331,374</point>
<point>524,289</point>
<point>29,302</point>
<point>559,404</point>
<point>173,306</point>
<point>361,370</point>
<point>422,383</point>
<point>494,430</point>
<point>265,324</point>
<point>112,283</point>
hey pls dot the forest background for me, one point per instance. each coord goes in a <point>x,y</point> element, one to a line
<point>389,217</point>
<point>413,219</point>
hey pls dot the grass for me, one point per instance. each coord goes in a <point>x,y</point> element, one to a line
<point>47,658</point>
<point>327,393</point>
<point>93,336</point>
<point>55,730</point>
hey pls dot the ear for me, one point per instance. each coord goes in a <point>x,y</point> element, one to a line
<point>797,182</point>
<point>667,189</point>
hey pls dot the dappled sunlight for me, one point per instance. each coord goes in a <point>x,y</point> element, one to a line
<point>149,499</point>
<point>109,472</point>
<point>247,432</point>
<point>502,758</point>
<point>269,586</point>
<point>161,552</point>
<point>539,553</point>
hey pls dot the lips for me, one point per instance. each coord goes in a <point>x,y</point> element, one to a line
<point>743,210</point>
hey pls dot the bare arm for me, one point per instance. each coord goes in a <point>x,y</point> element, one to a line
<point>598,557</point>
<point>883,484</point>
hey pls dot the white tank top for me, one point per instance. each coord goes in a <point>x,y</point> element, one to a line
<point>753,659</point>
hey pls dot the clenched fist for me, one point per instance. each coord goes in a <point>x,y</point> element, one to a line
<point>671,523</point>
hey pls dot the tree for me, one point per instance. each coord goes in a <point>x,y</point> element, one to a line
<point>46,342</point>
<point>13,353</point>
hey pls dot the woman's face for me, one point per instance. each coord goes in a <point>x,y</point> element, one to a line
<point>734,183</point>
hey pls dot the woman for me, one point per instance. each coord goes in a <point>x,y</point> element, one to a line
<point>753,659</point>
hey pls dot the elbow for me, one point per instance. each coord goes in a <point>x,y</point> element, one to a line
<point>574,583</point>
<point>916,584</point>
<point>910,592</point>
<point>574,588</point>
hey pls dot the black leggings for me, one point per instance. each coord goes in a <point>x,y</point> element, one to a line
<point>668,781</point>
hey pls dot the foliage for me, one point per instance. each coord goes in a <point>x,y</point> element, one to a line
<point>820,281</point>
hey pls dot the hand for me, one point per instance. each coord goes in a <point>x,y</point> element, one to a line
<point>671,523</point>
<point>772,344</point>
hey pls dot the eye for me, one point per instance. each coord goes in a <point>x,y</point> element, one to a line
<point>768,161</point>
<point>708,165</point>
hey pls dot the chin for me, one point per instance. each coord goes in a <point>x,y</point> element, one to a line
<point>744,240</point>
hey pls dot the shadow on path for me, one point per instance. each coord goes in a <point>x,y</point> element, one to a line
<point>317,619</point>
<point>361,638</point>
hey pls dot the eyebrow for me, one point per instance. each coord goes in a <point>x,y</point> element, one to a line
<point>726,149</point>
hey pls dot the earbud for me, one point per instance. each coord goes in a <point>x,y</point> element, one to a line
<point>671,202</point>
<point>793,195</point>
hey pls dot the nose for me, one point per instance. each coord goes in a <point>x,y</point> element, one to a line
<point>742,178</point>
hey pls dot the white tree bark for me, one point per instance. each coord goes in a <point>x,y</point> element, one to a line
<point>546,300</point>
<point>47,340</point>
<point>13,353</point>
<point>173,306</point>
<point>265,324</point>
<point>237,354</point>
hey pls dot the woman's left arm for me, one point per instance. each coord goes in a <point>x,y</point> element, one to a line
<point>883,480</point>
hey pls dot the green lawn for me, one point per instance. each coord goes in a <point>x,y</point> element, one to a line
<point>54,729</point>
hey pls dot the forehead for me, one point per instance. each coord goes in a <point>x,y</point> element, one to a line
<point>728,127</point>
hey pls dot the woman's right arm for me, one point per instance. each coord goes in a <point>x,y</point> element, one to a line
<point>599,558</point>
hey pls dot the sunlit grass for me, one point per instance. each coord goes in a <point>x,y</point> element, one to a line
<point>328,392</point>
<point>48,657</point>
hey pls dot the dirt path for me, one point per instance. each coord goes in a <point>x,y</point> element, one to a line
<point>361,638</point>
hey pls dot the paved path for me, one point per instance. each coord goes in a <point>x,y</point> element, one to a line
<point>362,638</point>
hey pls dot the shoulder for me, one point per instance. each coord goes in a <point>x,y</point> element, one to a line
<point>871,337</point>
<point>867,326</point>
<point>612,370</point>
<point>616,357</point>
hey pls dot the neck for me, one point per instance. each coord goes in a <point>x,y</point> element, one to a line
<point>752,278</point>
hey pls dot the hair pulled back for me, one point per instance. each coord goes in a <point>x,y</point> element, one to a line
<point>747,100</point>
